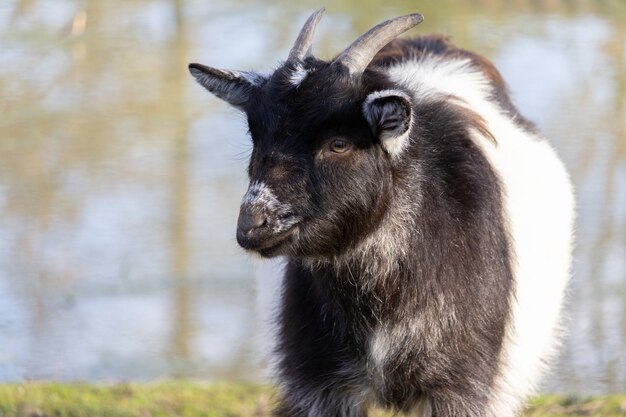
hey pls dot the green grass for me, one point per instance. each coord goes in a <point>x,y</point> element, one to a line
<point>194,399</point>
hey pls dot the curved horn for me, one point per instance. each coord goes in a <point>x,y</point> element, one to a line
<point>358,55</point>
<point>302,46</point>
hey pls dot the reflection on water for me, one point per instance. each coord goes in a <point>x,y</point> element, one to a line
<point>120,179</point>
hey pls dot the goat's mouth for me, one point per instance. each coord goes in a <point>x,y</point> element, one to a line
<point>271,245</point>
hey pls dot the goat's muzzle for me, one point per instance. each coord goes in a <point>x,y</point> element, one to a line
<point>264,225</point>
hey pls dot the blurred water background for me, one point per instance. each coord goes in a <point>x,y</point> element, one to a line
<point>120,178</point>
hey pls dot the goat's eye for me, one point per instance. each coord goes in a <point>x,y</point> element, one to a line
<point>340,145</point>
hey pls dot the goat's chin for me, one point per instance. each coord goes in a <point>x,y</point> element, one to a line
<point>271,253</point>
<point>276,246</point>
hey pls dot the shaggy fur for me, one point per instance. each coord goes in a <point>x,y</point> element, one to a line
<point>402,241</point>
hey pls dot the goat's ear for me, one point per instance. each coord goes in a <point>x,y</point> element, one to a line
<point>234,87</point>
<point>389,114</point>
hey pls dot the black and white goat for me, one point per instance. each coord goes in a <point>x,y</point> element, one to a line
<point>427,226</point>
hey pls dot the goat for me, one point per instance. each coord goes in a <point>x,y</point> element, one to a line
<point>426,226</point>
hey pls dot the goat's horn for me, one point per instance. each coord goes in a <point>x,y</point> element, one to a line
<point>302,47</point>
<point>358,55</point>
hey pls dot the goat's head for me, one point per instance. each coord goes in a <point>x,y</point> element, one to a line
<point>325,136</point>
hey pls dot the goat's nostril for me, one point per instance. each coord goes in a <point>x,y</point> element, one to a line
<point>249,221</point>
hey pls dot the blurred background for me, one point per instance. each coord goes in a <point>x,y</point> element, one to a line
<point>120,178</point>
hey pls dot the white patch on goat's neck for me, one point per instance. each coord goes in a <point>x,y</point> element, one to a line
<point>298,75</point>
<point>538,211</point>
<point>394,143</point>
<point>379,348</point>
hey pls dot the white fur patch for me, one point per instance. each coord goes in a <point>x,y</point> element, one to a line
<point>380,345</point>
<point>435,77</point>
<point>261,195</point>
<point>539,206</point>
<point>539,211</point>
<point>384,93</point>
<point>298,75</point>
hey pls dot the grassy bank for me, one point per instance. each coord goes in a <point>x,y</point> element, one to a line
<point>187,399</point>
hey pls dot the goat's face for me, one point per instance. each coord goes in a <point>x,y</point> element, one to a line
<point>325,136</point>
<point>318,175</point>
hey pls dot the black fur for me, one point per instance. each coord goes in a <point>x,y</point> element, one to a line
<point>442,298</point>
<point>459,253</point>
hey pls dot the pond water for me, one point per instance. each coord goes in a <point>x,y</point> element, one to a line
<point>120,179</point>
